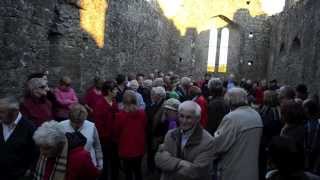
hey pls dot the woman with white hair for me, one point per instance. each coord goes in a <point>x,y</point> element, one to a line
<point>237,140</point>
<point>62,156</point>
<point>186,151</point>
<point>183,88</point>
<point>154,114</point>
<point>134,85</point>
<point>77,123</point>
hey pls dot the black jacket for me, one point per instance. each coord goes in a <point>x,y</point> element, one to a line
<point>19,152</point>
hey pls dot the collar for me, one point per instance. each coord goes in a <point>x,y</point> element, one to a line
<point>194,136</point>
<point>14,123</point>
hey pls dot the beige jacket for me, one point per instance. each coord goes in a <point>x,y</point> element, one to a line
<point>197,152</point>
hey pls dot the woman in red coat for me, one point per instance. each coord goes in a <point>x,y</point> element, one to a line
<point>130,131</point>
<point>195,94</point>
<point>104,113</point>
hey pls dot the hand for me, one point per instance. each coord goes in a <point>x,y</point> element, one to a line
<point>184,163</point>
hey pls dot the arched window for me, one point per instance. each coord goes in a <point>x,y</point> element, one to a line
<point>212,49</point>
<point>223,55</point>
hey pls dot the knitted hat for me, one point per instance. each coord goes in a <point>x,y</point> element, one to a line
<point>172,104</point>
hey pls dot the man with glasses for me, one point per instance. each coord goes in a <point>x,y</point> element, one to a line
<point>187,150</point>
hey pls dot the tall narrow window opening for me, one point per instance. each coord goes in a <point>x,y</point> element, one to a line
<point>223,57</point>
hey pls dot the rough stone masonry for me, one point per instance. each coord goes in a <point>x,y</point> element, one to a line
<point>39,35</point>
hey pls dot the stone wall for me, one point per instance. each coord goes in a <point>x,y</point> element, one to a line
<point>295,45</point>
<point>39,35</point>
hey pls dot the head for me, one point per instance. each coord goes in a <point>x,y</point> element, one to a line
<point>121,79</point>
<point>286,155</point>
<point>302,92</point>
<point>194,91</point>
<point>171,107</point>
<point>131,76</point>
<point>98,83</point>
<point>189,115</point>
<point>37,87</point>
<point>140,79</point>
<point>9,109</point>
<point>170,73</point>
<point>264,84</point>
<point>50,139</point>
<point>151,76</point>
<point>185,82</point>
<point>236,97</point>
<point>311,108</point>
<point>270,98</point>
<point>292,112</point>
<point>158,82</point>
<point>158,94</point>
<point>147,83</point>
<point>273,82</point>
<point>133,85</point>
<point>207,76</point>
<point>215,86</point>
<point>65,83</point>
<point>161,74</point>
<point>77,115</point>
<point>286,93</point>
<point>130,101</point>
<point>109,88</point>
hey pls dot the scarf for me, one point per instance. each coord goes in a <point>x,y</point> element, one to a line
<point>60,166</point>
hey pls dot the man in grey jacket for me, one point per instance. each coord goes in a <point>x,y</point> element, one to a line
<point>187,151</point>
<point>237,139</point>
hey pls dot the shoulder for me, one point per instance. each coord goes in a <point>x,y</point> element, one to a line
<point>28,124</point>
<point>64,123</point>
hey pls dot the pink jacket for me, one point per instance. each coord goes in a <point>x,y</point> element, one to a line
<point>65,99</point>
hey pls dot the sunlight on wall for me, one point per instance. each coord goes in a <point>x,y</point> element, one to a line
<point>92,19</point>
<point>198,13</point>
<point>272,7</point>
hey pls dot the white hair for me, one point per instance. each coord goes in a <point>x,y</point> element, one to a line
<point>49,133</point>
<point>147,83</point>
<point>191,106</point>
<point>10,103</point>
<point>236,97</point>
<point>158,82</point>
<point>215,83</point>
<point>134,85</point>
<point>160,91</point>
<point>185,81</point>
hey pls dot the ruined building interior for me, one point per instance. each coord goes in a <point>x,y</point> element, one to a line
<point>253,39</point>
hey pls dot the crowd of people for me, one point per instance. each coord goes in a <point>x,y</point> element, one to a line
<point>160,126</point>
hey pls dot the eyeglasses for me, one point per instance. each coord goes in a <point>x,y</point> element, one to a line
<point>42,87</point>
<point>185,116</point>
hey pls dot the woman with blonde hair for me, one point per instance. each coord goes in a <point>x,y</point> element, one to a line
<point>130,128</point>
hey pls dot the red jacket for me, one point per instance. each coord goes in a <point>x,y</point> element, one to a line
<point>130,131</point>
<point>36,110</point>
<point>104,117</point>
<point>80,166</point>
<point>202,102</point>
<point>91,97</point>
<point>259,95</point>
